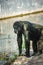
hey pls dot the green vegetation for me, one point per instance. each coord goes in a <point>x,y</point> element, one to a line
<point>23,43</point>
<point>9,57</point>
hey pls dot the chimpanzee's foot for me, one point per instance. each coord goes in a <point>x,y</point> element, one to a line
<point>19,54</point>
<point>34,54</point>
<point>28,56</point>
<point>37,54</point>
<point>40,51</point>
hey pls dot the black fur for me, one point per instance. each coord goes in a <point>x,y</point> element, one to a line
<point>30,33</point>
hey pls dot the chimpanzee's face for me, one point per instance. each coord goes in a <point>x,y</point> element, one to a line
<point>16,31</point>
<point>17,28</point>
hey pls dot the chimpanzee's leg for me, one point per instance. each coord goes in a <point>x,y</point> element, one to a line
<point>27,46</point>
<point>40,51</point>
<point>39,45</point>
<point>34,45</point>
<point>19,40</point>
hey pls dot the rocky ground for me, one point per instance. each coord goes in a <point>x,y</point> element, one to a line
<point>34,60</point>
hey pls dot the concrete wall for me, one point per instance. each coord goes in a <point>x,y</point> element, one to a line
<point>8,39</point>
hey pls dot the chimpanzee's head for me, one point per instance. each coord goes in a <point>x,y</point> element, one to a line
<point>17,27</point>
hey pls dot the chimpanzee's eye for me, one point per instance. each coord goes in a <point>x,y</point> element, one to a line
<point>15,27</point>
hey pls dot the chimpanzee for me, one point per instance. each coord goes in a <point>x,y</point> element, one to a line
<point>30,33</point>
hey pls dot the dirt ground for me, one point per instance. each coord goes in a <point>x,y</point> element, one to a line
<point>34,60</point>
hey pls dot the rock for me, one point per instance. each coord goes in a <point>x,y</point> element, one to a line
<point>21,60</point>
<point>34,60</point>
